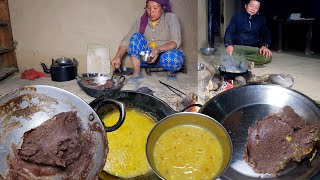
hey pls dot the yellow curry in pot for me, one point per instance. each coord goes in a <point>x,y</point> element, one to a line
<point>127,157</point>
<point>188,152</point>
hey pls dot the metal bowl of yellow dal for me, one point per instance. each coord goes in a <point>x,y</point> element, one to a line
<point>188,145</point>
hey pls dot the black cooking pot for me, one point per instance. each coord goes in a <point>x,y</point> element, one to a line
<point>152,105</point>
<point>231,75</point>
<point>93,84</point>
<point>62,69</point>
<point>149,104</point>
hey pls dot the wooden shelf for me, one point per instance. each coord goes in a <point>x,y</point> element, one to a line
<point>6,72</point>
<point>5,50</point>
<point>8,57</point>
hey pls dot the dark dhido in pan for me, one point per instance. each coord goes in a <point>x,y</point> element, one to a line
<point>49,133</point>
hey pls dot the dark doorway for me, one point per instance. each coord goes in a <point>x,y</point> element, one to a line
<point>213,20</point>
<point>294,37</point>
<point>216,17</point>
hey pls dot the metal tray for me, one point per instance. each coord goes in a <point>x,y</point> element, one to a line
<point>239,108</point>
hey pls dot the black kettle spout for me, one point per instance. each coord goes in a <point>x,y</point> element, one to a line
<point>45,69</point>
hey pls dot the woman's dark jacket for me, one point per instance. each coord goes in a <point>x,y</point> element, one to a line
<point>247,30</point>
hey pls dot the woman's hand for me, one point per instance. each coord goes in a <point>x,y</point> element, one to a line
<point>155,52</point>
<point>264,51</point>
<point>229,50</point>
<point>116,62</point>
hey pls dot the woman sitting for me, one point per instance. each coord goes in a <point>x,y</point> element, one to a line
<point>247,35</point>
<point>158,30</point>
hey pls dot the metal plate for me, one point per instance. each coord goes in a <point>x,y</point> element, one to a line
<point>28,107</point>
<point>239,108</point>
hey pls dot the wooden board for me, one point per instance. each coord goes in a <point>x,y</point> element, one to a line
<point>98,59</point>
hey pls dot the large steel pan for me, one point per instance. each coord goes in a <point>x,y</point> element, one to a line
<point>239,108</point>
<point>25,108</point>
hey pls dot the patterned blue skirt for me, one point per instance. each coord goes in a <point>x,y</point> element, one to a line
<point>171,60</point>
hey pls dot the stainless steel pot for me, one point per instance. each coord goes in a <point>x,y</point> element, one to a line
<point>194,119</point>
<point>28,107</point>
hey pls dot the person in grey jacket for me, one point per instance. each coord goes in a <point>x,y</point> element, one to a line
<point>248,35</point>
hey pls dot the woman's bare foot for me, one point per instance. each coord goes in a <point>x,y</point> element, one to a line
<point>135,79</point>
<point>135,74</point>
<point>171,76</point>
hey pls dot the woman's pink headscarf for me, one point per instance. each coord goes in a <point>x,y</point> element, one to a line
<point>144,18</point>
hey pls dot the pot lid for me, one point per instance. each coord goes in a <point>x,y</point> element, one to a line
<point>63,61</point>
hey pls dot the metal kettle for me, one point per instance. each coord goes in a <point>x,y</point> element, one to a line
<point>62,69</point>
